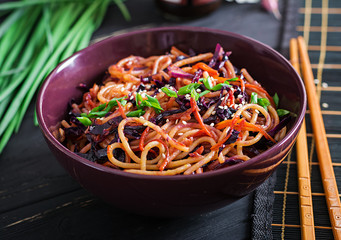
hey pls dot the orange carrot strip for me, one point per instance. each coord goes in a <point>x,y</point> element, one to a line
<point>233,122</point>
<point>167,159</point>
<point>121,110</point>
<point>223,124</point>
<point>250,126</point>
<point>143,136</point>
<point>226,123</point>
<point>200,133</point>
<point>220,79</point>
<point>200,150</point>
<point>215,147</point>
<point>197,116</point>
<point>170,102</point>
<point>205,67</point>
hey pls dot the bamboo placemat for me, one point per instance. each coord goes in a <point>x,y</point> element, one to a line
<point>320,24</point>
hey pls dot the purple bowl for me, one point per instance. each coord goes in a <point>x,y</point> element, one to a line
<point>170,195</point>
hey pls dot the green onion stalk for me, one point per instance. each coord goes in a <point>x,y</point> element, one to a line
<point>35,36</point>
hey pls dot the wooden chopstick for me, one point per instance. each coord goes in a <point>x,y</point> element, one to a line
<point>322,148</point>
<point>304,187</point>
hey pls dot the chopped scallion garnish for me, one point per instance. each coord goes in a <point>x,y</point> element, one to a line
<point>282,112</point>
<point>169,92</point>
<point>188,88</point>
<point>85,121</point>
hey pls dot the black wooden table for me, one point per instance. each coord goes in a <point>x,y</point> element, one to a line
<point>39,200</point>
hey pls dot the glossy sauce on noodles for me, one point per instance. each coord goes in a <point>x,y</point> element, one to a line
<point>174,114</point>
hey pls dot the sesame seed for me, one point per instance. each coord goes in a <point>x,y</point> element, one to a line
<point>122,89</point>
<point>184,122</point>
<point>180,134</point>
<point>163,155</point>
<point>225,107</point>
<point>141,117</point>
<point>145,124</point>
<point>221,107</point>
<point>212,124</point>
<point>132,97</point>
<point>225,118</point>
<point>159,90</point>
<point>239,96</point>
<point>256,111</point>
<point>316,81</point>
<point>233,115</point>
<point>167,120</point>
<point>214,112</point>
<point>325,105</point>
<point>176,121</point>
<point>324,85</point>
<point>198,90</point>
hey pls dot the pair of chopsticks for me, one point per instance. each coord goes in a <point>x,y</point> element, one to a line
<point>298,50</point>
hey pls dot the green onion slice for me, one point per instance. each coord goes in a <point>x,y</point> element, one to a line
<point>169,92</point>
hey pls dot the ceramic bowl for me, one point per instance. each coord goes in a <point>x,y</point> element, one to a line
<point>170,195</point>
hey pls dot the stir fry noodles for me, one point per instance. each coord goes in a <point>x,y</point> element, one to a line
<point>174,114</point>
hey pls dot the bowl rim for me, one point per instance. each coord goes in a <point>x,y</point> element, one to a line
<point>218,172</point>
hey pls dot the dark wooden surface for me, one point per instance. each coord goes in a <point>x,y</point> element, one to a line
<point>39,200</point>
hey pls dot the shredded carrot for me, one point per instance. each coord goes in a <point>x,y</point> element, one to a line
<point>220,79</point>
<point>205,67</point>
<point>167,159</point>
<point>223,124</point>
<point>233,122</point>
<point>240,125</point>
<point>197,116</point>
<point>121,110</point>
<point>198,152</point>
<point>143,136</point>
<point>199,133</point>
<point>250,127</point>
<point>170,103</point>
<point>220,143</point>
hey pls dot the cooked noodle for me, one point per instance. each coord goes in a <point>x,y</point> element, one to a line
<point>173,114</point>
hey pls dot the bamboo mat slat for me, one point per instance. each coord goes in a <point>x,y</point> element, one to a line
<point>320,24</point>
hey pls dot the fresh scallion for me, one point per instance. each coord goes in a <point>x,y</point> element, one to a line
<point>194,94</point>
<point>136,113</point>
<point>169,92</point>
<point>188,88</point>
<point>282,112</point>
<point>276,100</point>
<point>34,37</point>
<point>264,102</point>
<point>85,121</point>
<point>254,98</point>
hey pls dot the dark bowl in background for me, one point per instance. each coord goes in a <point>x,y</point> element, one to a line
<point>170,195</point>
